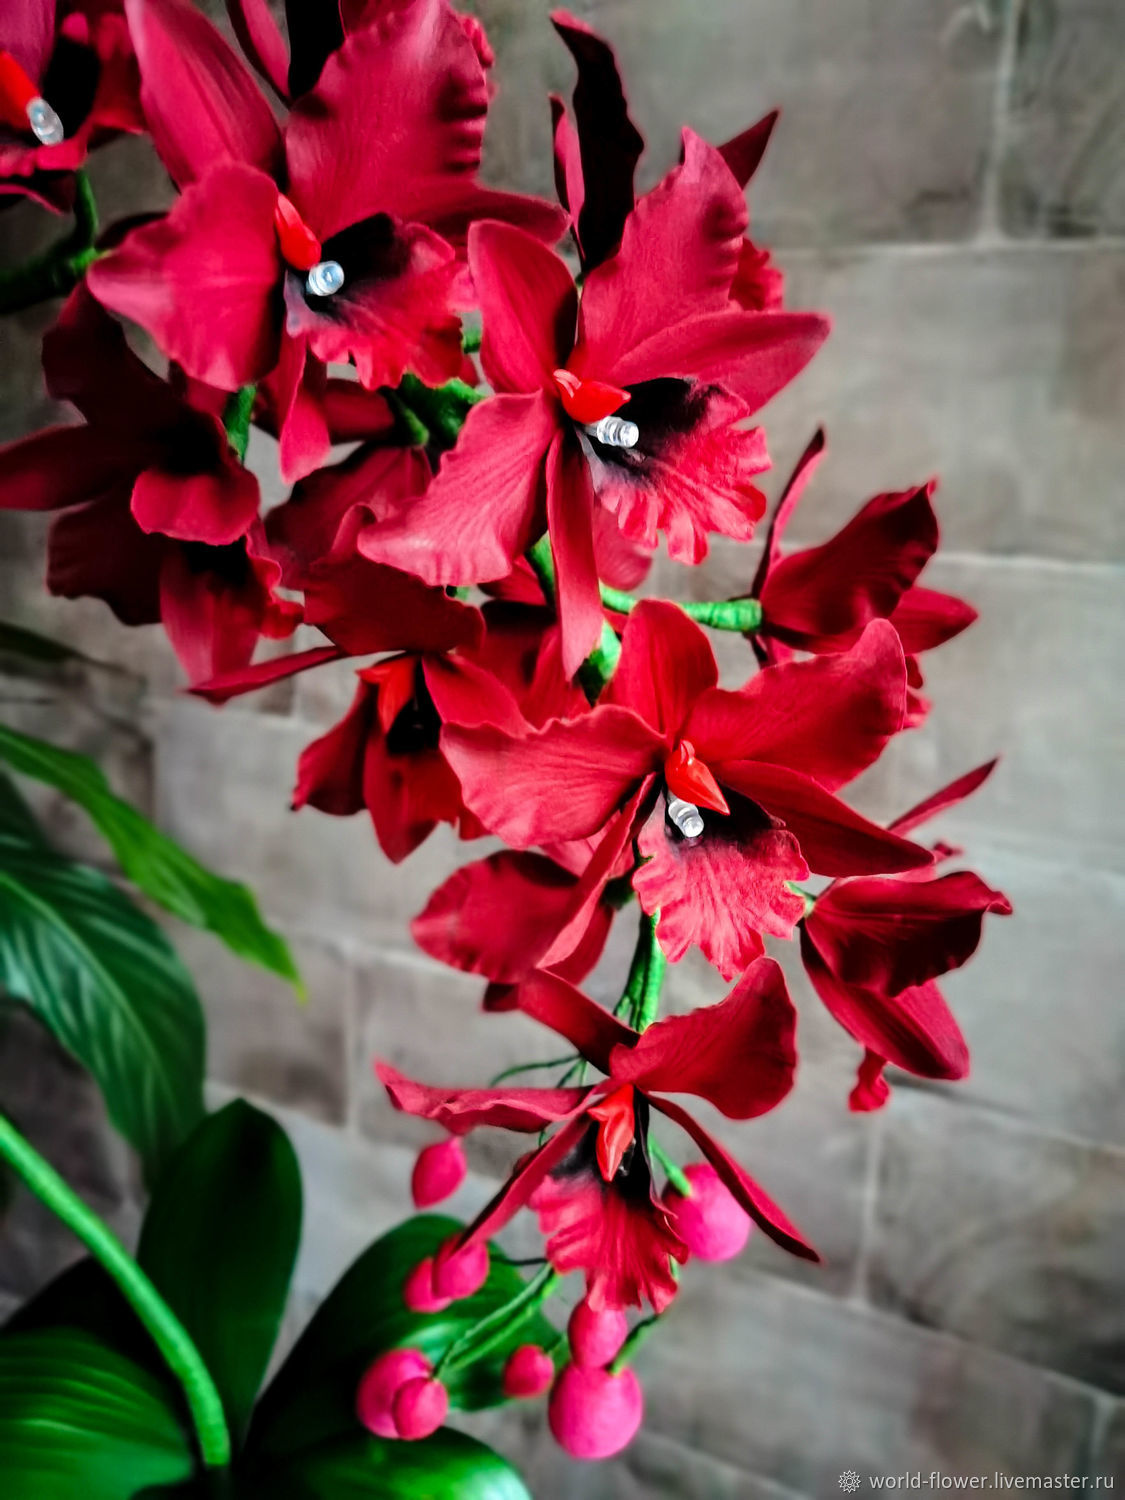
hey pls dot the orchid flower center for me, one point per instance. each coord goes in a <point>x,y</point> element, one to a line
<point>395,680</point>
<point>22,106</point>
<point>616,1127</point>
<point>592,403</point>
<point>691,786</point>
<point>301,249</point>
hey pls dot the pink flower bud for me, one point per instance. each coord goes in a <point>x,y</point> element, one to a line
<point>418,1291</point>
<point>595,1337</point>
<point>420,1407</point>
<point>460,1273</point>
<point>381,1384</point>
<point>529,1372</point>
<point>594,1414</point>
<point>438,1172</point>
<point>711,1223</point>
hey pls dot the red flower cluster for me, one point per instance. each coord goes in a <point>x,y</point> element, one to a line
<point>585,729</point>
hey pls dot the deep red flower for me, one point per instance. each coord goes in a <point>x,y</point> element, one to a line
<point>632,403</point>
<point>591,1182</point>
<point>337,235</point>
<point>874,949</point>
<point>775,750</point>
<point>820,599</point>
<point>68,82</point>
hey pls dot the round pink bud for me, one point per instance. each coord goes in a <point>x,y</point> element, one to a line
<point>460,1273</point>
<point>594,1414</point>
<point>528,1373</point>
<point>381,1384</point>
<point>420,1407</point>
<point>711,1223</point>
<point>418,1291</point>
<point>438,1172</point>
<point>595,1337</point>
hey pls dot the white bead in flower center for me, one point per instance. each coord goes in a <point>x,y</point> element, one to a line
<point>686,816</point>
<point>325,279</point>
<point>45,123</point>
<point>615,432</point>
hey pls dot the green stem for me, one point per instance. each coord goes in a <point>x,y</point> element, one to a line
<point>640,1000</point>
<point>633,1342</point>
<point>601,664</point>
<point>62,265</point>
<point>672,1168</point>
<point>237,412</point>
<point>479,1341</point>
<point>553,1062</point>
<point>743,615</point>
<point>806,896</point>
<point>166,1330</point>
<point>440,409</point>
<point>413,432</point>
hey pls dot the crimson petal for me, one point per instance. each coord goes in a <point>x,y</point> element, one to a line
<point>461,1110</point>
<point>529,305</point>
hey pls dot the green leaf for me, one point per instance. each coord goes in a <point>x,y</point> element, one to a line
<point>78,1419</point>
<point>312,1398</point>
<point>220,1240</point>
<point>447,1466</point>
<point>16,640</point>
<point>104,979</point>
<point>15,815</point>
<point>154,863</point>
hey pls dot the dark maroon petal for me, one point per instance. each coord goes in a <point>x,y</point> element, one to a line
<point>790,495</point>
<point>407,794</point>
<point>201,104</point>
<point>330,770</point>
<point>609,144</point>
<point>528,303</point>
<point>564,781</point>
<point>677,260</point>
<point>462,1110</point>
<point>743,153</point>
<point>829,717</point>
<point>821,599</point>
<point>315,31</point>
<point>721,891</point>
<point>666,663</point>
<point>260,38</point>
<point>761,1208</point>
<point>63,466</point>
<point>570,519</point>
<point>98,550</point>
<point>888,934</point>
<point>204,279</point>
<point>365,607</point>
<point>398,109</point>
<point>486,504</point>
<point>949,796</point>
<point>589,1028</point>
<point>833,838</point>
<point>914,1029</point>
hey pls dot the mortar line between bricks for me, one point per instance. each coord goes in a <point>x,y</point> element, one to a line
<point>1007,1119</point>
<point>1105,1407</point>
<point>844,250</point>
<point>860,1290</point>
<point>990,230</point>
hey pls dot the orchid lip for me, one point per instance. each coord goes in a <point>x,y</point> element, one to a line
<point>686,816</point>
<point>614,432</point>
<point>45,123</point>
<point>325,278</point>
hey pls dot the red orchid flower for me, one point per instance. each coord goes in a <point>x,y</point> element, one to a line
<point>874,949</point>
<point>596,159</point>
<point>334,237</point>
<point>68,82</point>
<point>820,599</point>
<point>632,402</point>
<point>731,791</point>
<point>591,1182</point>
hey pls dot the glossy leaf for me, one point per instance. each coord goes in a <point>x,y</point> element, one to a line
<point>312,1398</point>
<point>79,1420</point>
<point>447,1466</point>
<point>220,1240</point>
<point>103,978</point>
<point>154,863</point>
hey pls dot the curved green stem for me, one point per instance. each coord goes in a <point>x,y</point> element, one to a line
<point>479,1341</point>
<point>237,412</point>
<point>601,664</point>
<point>62,265</point>
<point>743,615</point>
<point>531,1067</point>
<point>166,1330</point>
<point>672,1169</point>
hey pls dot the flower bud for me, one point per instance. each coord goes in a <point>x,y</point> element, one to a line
<point>419,1408</point>
<point>593,1414</point>
<point>460,1273</point>
<point>529,1372</point>
<point>418,1290</point>
<point>382,1383</point>
<point>438,1172</point>
<point>711,1223</point>
<point>595,1337</point>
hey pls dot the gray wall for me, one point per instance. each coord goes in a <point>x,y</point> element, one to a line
<point>948,181</point>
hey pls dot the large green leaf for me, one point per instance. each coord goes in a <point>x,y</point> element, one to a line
<point>447,1466</point>
<point>220,1240</point>
<point>312,1398</point>
<point>17,640</point>
<point>152,861</point>
<point>15,815</point>
<point>104,979</point>
<point>79,1420</point>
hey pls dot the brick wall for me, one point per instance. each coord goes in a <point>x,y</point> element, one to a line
<point>948,181</point>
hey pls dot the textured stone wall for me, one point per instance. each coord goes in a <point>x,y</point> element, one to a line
<point>948,181</point>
